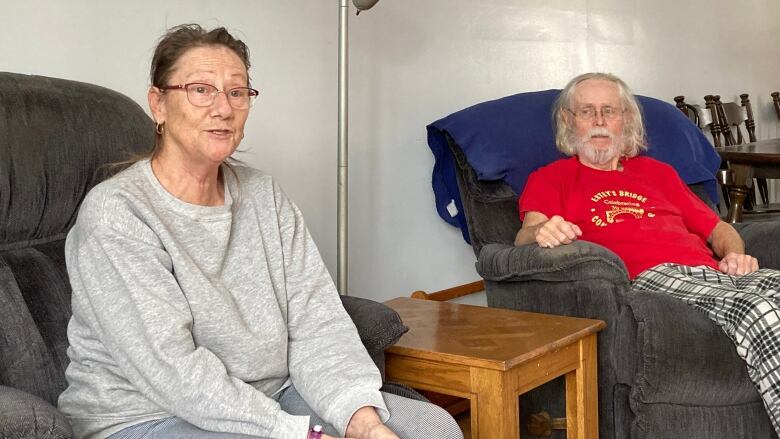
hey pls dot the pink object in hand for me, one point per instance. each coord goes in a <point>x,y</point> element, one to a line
<point>315,432</point>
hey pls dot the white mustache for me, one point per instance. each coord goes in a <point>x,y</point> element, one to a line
<point>598,132</point>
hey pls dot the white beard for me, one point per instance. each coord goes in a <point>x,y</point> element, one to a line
<point>592,154</point>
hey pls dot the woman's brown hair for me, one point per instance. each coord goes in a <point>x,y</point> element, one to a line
<point>170,48</point>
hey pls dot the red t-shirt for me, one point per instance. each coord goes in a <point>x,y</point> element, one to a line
<point>644,213</point>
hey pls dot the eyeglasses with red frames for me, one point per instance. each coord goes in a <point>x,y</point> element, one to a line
<point>203,95</point>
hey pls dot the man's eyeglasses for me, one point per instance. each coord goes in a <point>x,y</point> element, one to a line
<point>589,113</point>
<point>203,95</point>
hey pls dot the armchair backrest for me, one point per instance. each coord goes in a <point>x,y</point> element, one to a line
<point>57,137</point>
<point>489,206</point>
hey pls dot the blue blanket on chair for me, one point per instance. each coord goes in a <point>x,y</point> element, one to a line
<point>508,138</point>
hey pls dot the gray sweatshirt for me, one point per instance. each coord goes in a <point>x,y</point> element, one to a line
<point>205,313</point>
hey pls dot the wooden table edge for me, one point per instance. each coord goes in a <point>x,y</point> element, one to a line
<point>502,365</point>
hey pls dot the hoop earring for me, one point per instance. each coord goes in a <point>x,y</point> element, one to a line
<point>159,128</point>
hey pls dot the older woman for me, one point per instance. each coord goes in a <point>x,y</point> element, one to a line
<point>201,306</point>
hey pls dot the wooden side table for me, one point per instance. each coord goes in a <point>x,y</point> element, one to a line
<point>491,356</point>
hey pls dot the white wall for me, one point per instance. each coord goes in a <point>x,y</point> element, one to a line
<point>412,62</point>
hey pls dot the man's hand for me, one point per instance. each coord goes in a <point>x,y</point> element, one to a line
<point>738,263</point>
<point>556,231</point>
<point>727,244</point>
<point>365,424</point>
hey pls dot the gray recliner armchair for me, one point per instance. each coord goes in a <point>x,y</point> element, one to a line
<point>665,370</point>
<point>55,138</point>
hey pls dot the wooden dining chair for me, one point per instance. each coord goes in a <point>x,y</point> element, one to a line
<point>714,126</point>
<point>733,116</point>
<point>706,118</point>
<point>701,117</point>
<point>692,111</point>
<point>736,116</point>
<point>776,102</point>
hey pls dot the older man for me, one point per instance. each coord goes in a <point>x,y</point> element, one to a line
<point>639,208</point>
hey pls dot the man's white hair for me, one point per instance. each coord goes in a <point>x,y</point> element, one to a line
<point>634,140</point>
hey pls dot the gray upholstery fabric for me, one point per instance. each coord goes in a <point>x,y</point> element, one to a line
<point>665,370</point>
<point>57,136</point>
<point>35,297</point>
<point>680,421</point>
<point>761,239</point>
<point>25,416</point>
<point>490,207</point>
<point>379,327</point>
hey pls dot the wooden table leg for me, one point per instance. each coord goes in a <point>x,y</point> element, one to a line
<point>497,405</point>
<point>743,180</point>
<point>582,417</point>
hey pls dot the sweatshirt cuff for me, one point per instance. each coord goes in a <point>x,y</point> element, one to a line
<point>343,410</point>
<point>289,426</point>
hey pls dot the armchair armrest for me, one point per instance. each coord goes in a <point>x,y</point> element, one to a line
<point>761,241</point>
<point>580,259</point>
<point>581,279</point>
<point>23,415</point>
<point>378,325</point>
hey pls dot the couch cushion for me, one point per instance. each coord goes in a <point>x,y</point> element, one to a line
<point>35,298</point>
<point>378,325</point>
<point>25,416</point>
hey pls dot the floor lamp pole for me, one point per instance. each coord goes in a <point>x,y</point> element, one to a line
<point>342,198</point>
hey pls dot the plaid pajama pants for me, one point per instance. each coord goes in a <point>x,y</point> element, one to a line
<point>746,307</point>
